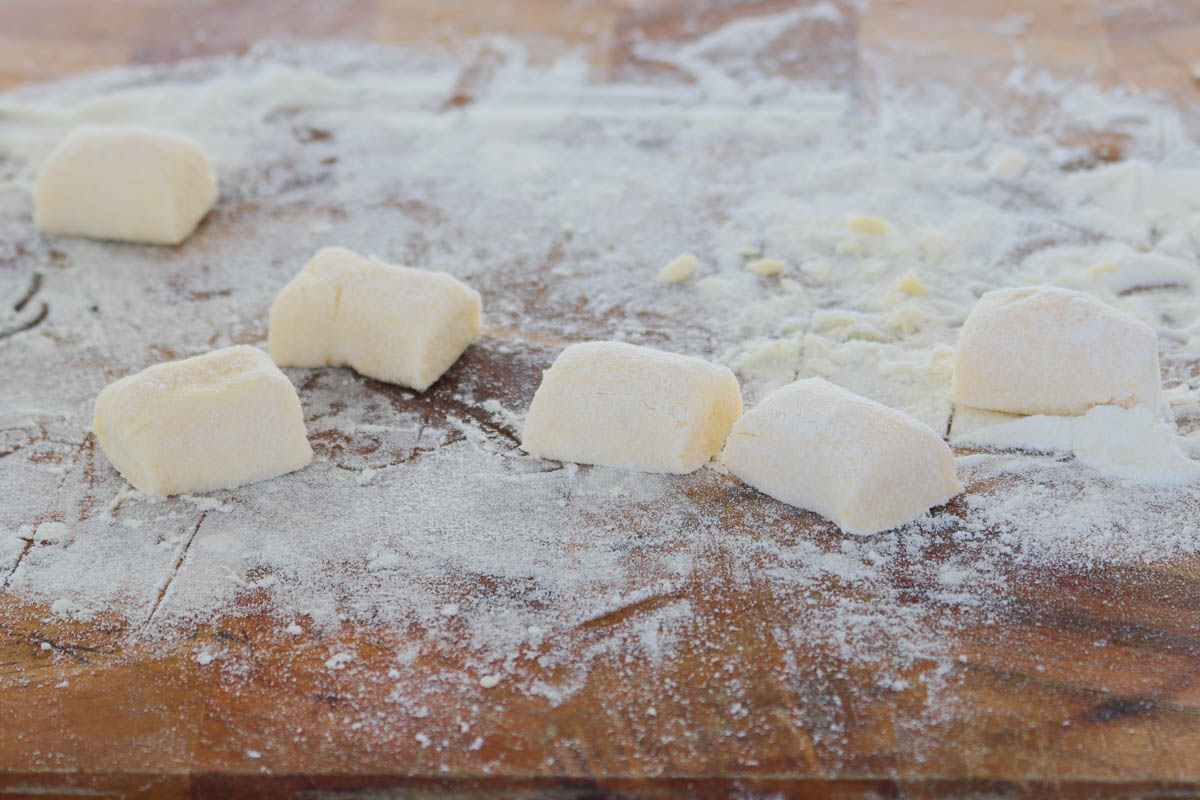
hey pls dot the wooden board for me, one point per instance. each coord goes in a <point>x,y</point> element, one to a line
<point>1090,685</point>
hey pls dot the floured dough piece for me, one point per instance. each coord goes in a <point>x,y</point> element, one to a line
<point>124,182</point>
<point>619,405</point>
<point>1042,350</point>
<point>856,462</point>
<point>395,324</point>
<point>211,422</point>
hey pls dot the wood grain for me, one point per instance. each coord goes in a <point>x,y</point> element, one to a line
<point>1088,687</point>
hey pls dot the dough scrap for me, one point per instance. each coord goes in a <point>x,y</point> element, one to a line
<point>766,267</point>
<point>125,182</point>
<point>871,226</point>
<point>679,269</point>
<point>856,462</point>
<point>394,324</point>
<point>910,284</point>
<point>1041,350</point>
<point>215,421</point>
<point>620,405</point>
<point>1008,164</point>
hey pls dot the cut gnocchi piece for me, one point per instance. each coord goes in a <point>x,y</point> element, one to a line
<point>124,182</point>
<point>1041,350</point>
<point>620,405</point>
<point>215,421</point>
<point>858,463</point>
<point>394,324</point>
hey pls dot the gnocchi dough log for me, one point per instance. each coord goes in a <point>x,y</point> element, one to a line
<point>619,405</point>
<point>211,422</point>
<point>856,462</point>
<point>1040,350</point>
<point>395,324</point>
<point>124,182</point>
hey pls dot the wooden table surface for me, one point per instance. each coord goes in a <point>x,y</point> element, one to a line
<point>1089,687</point>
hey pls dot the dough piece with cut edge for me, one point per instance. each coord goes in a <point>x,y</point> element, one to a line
<point>126,183</point>
<point>214,421</point>
<point>394,324</point>
<point>858,463</point>
<point>620,405</point>
<point>1042,350</point>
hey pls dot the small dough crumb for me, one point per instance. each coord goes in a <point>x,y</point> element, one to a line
<point>872,226</point>
<point>679,270</point>
<point>488,681</point>
<point>766,266</point>
<point>1008,164</point>
<point>911,284</point>
<point>850,249</point>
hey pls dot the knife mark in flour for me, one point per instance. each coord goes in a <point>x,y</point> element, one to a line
<point>24,551</point>
<point>43,311</point>
<point>178,564</point>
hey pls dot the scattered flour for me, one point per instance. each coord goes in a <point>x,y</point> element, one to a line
<point>1132,444</point>
<point>406,512</point>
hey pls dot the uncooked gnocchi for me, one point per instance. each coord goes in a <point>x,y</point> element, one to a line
<point>619,405</point>
<point>1040,350</point>
<point>211,422</point>
<point>124,182</point>
<point>395,324</point>
<point>856,462</point>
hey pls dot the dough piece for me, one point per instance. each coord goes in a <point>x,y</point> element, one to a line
<point>1040,350</point>
<point>910,284</point>
<point>394,324</point>
<point>211,422</point>
<point>766,267</point>
<point>679,270</point>
<point>1007,165</point>
<point>872,226</point>
<point>124,182</point>
<point>619,405</point>
<point>856,462</point>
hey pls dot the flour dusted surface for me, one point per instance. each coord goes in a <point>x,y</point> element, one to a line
<point>561,199</point>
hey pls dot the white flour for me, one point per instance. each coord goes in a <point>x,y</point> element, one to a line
<point>561,200</point>
<point>1131,444</point>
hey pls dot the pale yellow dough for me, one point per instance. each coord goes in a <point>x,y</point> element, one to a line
<point>856,462</point>
<point>395,324</point>
<point>124,182</point>
<point>211,422</point>
<point>620,405</point>
<point>1041,350</point>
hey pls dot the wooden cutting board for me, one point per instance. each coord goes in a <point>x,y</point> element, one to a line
<point>1090,686</point>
